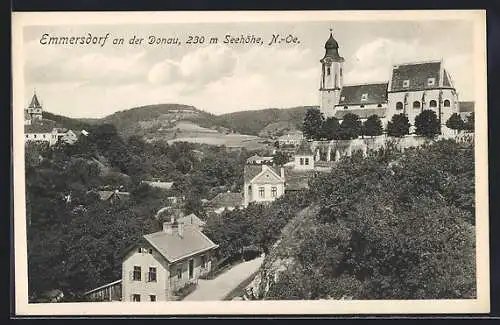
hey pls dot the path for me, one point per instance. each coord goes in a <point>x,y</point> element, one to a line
<point>221,286</point>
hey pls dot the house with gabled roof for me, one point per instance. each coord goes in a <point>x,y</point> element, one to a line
<point>262,183</point>
<point>161,263</point>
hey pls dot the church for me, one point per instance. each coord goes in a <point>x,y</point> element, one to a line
<point>412,88</point>
<point>38,129</point>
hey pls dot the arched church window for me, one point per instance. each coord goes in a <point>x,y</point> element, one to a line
<point>341,72</point>
<point>345,107</point>
<point>328,71</point>
<point>379,105</point>
<point>399,105</point>
<point>446,103</point>
<point>433,103</point>
<point>416,104</point>
<point>362,106</point>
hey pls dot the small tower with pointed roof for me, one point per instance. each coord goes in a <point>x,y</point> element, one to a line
<point>34,111</point>
<point>331,77</point>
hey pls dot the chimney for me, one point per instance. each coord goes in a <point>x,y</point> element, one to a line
<point>180,229</point>
<point>167,227</point>
<point>282,172</point>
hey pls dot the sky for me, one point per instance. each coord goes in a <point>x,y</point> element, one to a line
<point>93,81</point>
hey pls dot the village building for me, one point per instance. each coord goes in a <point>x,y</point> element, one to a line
<point>225,201</point>
<point>193,220</point>
<point>38,129</point>
<point>258,160</point>
<point>166,261</point>
<point>412,88</point>
<point>304,157</point>
<point>263,183</point>
<point>291,139</point>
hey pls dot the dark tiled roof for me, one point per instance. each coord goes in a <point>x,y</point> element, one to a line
<point>361,112</point>
<point>34,102</point>
<point>44,126</point>
<point>106,195</point>
<point>227,199</point>
<point>304,149</point>
<point>446,80</point>
<point>174,247</point>
<point>466,106</point>
<point>418,75</point>
<point>352,95</point>
<point>250,171</point>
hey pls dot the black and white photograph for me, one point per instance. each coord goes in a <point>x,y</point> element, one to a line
<point>250,163</point>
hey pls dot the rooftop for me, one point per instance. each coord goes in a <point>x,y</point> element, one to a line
<point>361,112</point>
<point>227,199</point>
<point>250,171</point>
<point>364,94</point>
<point>175,247</point>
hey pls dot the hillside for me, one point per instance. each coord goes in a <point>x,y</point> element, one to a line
<point>66,122</point>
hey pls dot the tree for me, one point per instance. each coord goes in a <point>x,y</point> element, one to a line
<point>469,124</point>
<point>398,126</point>
<point>455,122</point>
<point>373,126</point>
<point>427,124</point>
<point>312,124</point>
<point>330,128</point>
<point>350,127</point>
<point>281,158</point>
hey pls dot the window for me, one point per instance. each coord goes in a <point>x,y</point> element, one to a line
<point>341,72</point>
<point>44,136</point>
<point>345,107</point>
<point>431,82</point>
<point>26,136</point>
<point>328,71</point>
<point>136,298</point>
<point>179,273</point>
<point>399,105</point>
<point>152,274</point>
<point>406,83</point>
<point>306,161</point>
<point>274,191</point>
<point>150,251</point>
<point>433,103</point>
<point>261,191</point>
<point>362,106</point>
<point>152,298</point>
<point>301,161</point>
<point>342,98</point>
<point>34,136</point>
<point>191,268</point>
<point>379,105</point>
<point>364,96</point>
<point>416,104</point>
<point>446,103</point>
<point>137,273</point>
<point>203,261</point>
<point>249,190</point>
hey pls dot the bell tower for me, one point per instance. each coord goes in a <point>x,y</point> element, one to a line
<point>331,77</point>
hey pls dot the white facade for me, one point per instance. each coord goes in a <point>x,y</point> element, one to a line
<point>266,186</point>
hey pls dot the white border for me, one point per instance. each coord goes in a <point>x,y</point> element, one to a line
<point>479,305</point>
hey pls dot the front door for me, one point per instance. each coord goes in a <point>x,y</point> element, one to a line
<point>191,268</point>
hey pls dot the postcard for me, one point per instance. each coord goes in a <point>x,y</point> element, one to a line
<point>250,163</point>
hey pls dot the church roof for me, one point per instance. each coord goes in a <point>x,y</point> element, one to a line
<point>418,74</point>
<point>331,43</point>
<point>364,94</point>
<point>363,113</point>
<point>34,102</point>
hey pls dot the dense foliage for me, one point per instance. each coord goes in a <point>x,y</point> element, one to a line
<point>373,126</point>
<point>455,122</point>
<point>427,124</point>
<point>75,240</point>
<point>389,227</point>
<point>398,126</point>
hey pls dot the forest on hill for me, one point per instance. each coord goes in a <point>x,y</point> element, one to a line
<point>394,225</point>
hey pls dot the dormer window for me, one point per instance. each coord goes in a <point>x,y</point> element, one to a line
<point>406,83</point>
<point>342,98</point>
<point>364,96</point>
<point>431,81</point>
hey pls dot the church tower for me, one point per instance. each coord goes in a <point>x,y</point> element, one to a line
<point>34,111</point>
<point>331,77</point>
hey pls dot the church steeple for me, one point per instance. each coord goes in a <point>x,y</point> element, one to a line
<point>34,101</point>
<point>34,110</point>
<point>332,49</point>
<point>331,76</point>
